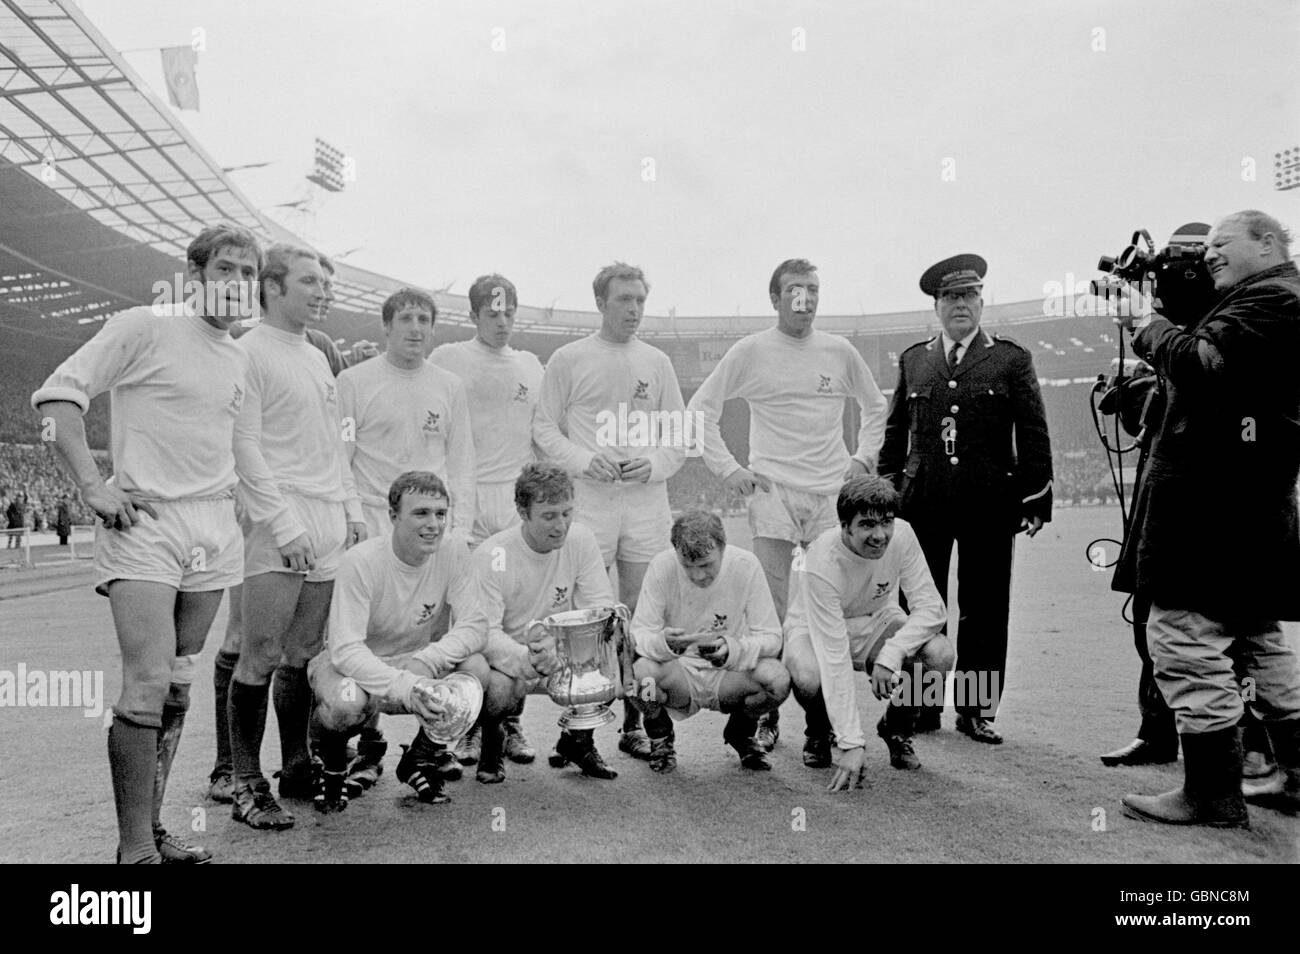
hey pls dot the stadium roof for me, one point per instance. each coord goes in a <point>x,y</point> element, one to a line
<point>101,188</point>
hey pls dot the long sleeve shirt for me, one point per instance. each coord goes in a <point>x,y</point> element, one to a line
<point>518,585</point>
<point>502,386</point>
<point>620,399</point>
<point>385,611</point>
<point>287,437</point>
<point>396,420</point>
<point>836,587</point>
<point>737,606</point>
<point>796,389</point>
<point>176,385</point>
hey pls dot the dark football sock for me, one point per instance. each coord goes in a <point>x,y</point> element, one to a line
<point>332,747</point>
<point>222,672</point>
<point>659,726</point>
<point>817,721</point>
<point>169,739</point>
<point>133,761</point>
<point>247,721</point>
<point>371,732</point>
<point>293,704</point>
<point>631,716</point>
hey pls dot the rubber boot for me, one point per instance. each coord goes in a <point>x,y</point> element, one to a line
<point>1211,791</point>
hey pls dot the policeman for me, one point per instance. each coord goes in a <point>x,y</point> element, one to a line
<point>966,445</point>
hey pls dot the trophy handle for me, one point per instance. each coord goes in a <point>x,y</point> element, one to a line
<point>623,645</point>
<point>528,630</point>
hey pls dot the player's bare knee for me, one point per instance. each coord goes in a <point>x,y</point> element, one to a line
<point>477,666</point>
<point>500,693</point>
<point>773,678</point>
<point>938,655</point>
<point>645,668</point>
<point>342,711</point>
<point>804,674</point>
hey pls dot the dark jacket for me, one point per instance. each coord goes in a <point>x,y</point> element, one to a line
<point>1000,459</point>
<point>1214,526</point>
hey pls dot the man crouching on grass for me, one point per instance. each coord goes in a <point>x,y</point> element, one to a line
<point>391,595</point>
<point>845,615</point>
<point>706,632</point>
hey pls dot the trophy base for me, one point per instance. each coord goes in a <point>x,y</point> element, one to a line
<point>586,717</point>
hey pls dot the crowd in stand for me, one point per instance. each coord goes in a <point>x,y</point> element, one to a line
<point>32,487</point>
<point>1083,477</point>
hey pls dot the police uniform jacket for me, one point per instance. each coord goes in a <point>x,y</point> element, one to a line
<point>1214,525</point>
<point>997,460</point>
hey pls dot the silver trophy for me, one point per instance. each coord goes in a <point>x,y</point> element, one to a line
<point>594,657</point>
<point>461,697</point>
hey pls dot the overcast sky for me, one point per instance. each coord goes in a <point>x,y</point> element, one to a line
<point>872,138</point>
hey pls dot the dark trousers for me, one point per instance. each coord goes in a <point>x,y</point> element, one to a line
<point>984,551</point>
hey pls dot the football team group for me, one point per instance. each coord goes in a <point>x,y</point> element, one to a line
<point>382,526</point>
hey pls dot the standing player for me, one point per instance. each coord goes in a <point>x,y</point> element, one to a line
<point>401,414</point>
<point>221,781</point>
<point>707,633</point>
<point>546,564</point>
<point>302,513</point>
<point>591,387</point>
<point>966,445</point>
<point>845,615</point>
<point>796,381</point>
<point>386,642</point>
<point>169,544</point>
<point>502,385</point>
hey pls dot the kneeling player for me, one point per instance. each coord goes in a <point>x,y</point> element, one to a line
<point>545,565</point>
<point>844,615</point>
<point>389,597</point>
<point>707,633</point>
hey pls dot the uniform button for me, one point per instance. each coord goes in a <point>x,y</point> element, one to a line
<point>954,409</point>
<point>952,384</point>
<point>952,460</point>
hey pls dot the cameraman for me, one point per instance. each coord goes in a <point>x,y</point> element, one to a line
<point>1219,582</point>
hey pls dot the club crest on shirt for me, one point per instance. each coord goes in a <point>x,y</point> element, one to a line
<point>642,390</point>
<point>824,384</point>
<point>561,596</point>
<point>329,394</point>
<point>881,590</point>
<point>719,621</point>
<point>237,399</point>
<point>426,613</point>
<point>431,423</point>
<point>521,394</point>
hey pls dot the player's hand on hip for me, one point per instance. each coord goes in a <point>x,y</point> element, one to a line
<point>603,467</point>
<point>356,533</point>
<point>298,554</point>
<point>1031,525</point>
<point>744,482</point>
<point>117,508</point>
<point>636,470</point>
<point>883,681</point>
<point>850,767</point>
